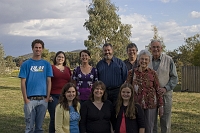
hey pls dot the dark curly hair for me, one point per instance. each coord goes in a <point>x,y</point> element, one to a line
<point>37,41</point>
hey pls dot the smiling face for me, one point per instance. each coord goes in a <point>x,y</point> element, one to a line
<point>37,50</point>
<point>126,93</point>
<point>84,57</point>
<point>132,52</point>
<point>98,92</point>
<point>144,61</point>
<point>108,52</point>
<point>70,94</point>
<point>60,58</point>
<point>156,49</point>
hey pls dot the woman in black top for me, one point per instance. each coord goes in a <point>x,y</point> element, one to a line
<point>96,112</point>
<point>129,116</point>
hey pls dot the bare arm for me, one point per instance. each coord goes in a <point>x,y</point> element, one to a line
<point>48,88</point>
<point>23,88</point>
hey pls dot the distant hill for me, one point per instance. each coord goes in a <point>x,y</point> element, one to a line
<point>27,56</point>
<point>76,51</point>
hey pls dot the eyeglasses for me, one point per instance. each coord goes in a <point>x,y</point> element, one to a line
<point>60,57</point>
<point>154,47</point>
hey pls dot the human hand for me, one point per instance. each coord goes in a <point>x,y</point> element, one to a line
<point>50,99</point>
<point>26,101</point>
<point>162,91</point>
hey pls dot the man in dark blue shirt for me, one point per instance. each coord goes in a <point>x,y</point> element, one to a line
<point>112,72</point>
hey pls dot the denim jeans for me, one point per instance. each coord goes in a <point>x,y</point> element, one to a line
<point>35,112</point>
<point>51,109</point>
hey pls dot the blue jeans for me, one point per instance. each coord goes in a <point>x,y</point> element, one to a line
<point>35,112</point>
<point>51,109</point>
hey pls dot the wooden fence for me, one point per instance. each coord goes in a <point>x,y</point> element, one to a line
<point>190,80</point>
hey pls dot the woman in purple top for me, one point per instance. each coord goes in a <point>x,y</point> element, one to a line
<point>84,76</point>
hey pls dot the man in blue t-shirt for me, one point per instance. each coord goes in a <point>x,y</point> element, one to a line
<point>35,74</point>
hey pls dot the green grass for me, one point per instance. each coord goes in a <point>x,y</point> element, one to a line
<point>11,109</point>
<point>185,111</point>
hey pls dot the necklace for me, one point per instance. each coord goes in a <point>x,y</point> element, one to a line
<point>61,68</point>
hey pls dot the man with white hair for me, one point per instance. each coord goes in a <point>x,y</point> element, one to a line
<point>168,79</point>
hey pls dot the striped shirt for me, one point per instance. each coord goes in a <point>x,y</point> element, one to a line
<point>113,74</point>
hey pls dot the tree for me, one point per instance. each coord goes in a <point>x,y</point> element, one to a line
<point>195,41</point>
<point>104,26</point>
<point>9,62</point>
<point>189,53</point>
<point>2,61</point>
<point>46,55</point>
<point>176,58</point>
<point>157,37</point>
<point>72,59</point>
<point>52,56</point>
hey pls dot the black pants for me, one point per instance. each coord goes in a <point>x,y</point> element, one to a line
<point>112,95</point>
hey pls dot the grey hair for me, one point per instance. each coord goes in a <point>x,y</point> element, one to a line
<point>156,40</point>
<point>145,52</point>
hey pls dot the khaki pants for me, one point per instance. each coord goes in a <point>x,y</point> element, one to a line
<point>165,120</point>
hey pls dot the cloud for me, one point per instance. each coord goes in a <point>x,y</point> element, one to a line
<point>172,33</point>
<point>165,1</point>
<point>195,14</point>
<point>60,25</point>
<point>23,10</point>
<point>141,29</point>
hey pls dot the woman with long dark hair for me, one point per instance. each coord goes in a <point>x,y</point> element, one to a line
<point>67,111</point>
<point>61,76</point>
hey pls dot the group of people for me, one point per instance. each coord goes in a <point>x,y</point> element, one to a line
<point>116,96</point>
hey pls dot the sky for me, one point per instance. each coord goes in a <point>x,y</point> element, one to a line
<point>59,23</point>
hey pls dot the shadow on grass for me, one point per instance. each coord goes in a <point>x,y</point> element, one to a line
<point>9,88</point>
<point>185,122</point>
<point>16,124</point>
<point>177,88</point>
<point>11,124</point>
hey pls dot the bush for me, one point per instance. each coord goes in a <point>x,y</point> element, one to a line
<point>15,73</point>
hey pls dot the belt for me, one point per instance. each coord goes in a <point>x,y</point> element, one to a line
<point>36,97</point>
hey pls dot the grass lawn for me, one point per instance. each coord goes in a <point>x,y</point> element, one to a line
<point>185,111</point>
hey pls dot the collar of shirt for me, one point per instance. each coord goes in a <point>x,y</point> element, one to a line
<point>112,60</point>
<point>156,59</point>
<point>147,69</point>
